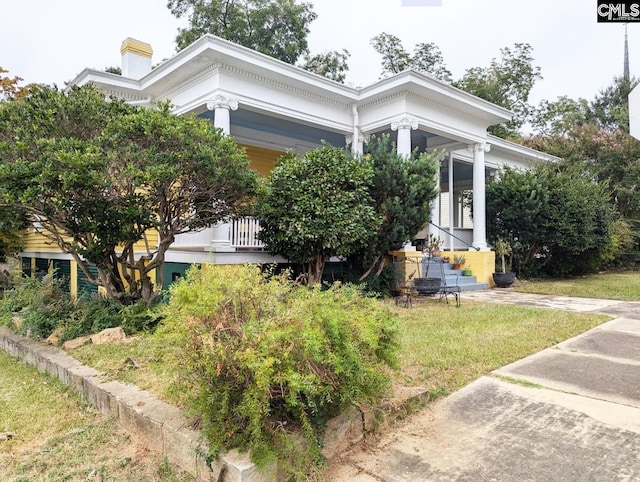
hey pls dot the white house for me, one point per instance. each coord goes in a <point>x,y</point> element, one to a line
<point>271,107</point>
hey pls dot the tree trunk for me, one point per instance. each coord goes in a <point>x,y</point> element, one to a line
<point>315,268</point>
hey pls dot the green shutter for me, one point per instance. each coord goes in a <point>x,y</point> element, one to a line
<point>86,287</point>
<point>26,267</point>
<point>62,270</point>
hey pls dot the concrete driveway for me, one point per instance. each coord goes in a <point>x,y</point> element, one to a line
<point>568,413</point>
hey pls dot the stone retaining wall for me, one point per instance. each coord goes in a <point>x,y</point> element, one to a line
<point>163,427</point>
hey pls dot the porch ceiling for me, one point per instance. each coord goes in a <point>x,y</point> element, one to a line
<point>276,126</point>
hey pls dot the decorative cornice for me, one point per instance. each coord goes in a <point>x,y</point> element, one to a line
<point>207,70</point>
<point>124,95</point>
<point>192,79</point>
<point>382,100</point>
<point>283,86</point>
<point>222,102</point>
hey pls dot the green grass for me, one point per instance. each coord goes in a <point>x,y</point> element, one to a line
<point>442,347</point>
<point>445,348</point>
<point>624,286</point>
<point>59,437</point>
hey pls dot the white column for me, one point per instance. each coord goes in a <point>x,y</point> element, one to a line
<point>479,201</point>
<point>451,204</point>
<point>356,140</point>
<point>403,148</point>
<point>435,209</point>
<point>221,106</point>
<point>404,127</point>
<point>221,238</point>
<point>357,148</point>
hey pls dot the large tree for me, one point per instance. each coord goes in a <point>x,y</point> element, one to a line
<point>331,64</point>
<point>507,82</point>
<point>99,176</point>
<point>426,57</point>
<point>278,28</point>
<point>559,117</point>
<point>12,221</point>
<point>610,108</point>
<point>593,136</point>
<point>317,206</point>
<point>10,86</point>
<point>556,218</point>
<point>401,190</point>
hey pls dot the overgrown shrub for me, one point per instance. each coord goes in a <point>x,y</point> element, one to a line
<point>93,315</point>
<point>267,362</point>
<point>42,305</point>
<point>377,285</point>
<point>140,317</point>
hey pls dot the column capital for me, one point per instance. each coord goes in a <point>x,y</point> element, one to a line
<point>404,123</point>
<point>361,138</point>
<point>222,102</point>
<point>479,147</point>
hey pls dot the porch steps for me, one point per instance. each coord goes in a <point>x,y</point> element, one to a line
<point>454,276</point>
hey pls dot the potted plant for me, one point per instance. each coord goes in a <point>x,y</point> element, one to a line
<point>459,260</point>
<point>505,278</point>
<point>467,271</point>
<point>433,246</point>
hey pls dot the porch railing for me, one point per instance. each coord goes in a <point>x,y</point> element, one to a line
<point>239,234</point>
<point>463,237</point>
<point>243,233</point>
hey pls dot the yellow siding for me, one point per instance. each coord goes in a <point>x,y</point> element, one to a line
<point>151,241</point>
<point>262,160</point>
<point>37,242</point>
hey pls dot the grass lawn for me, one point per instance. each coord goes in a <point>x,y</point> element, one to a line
<point>54,435</point>
<point>623,286</point>
<point>442,347</point>
<point>445,348</point>
<point>58,437</point>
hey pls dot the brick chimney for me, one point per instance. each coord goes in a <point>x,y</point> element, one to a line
<point>136,58</point>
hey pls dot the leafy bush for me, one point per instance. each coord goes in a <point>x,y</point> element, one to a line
<point>377,285</point>
<point>558,221</point>
<point>42,305</point>
<point>267,362</point>
<point>93,315</point>
<point>140,317</point>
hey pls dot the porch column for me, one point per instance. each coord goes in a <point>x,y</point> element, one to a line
<point>479,199</point>
<point>435,210</point>
<point>404,127</point>
<point>356,140</point>
<point>221,238</point>
<point>357,147</point>
<point>451,204</point>
<point>221,106</point>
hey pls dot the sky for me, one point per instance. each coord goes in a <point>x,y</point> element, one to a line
<point>51,41</point>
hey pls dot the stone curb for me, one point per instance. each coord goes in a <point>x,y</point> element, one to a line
<point>163,427</point>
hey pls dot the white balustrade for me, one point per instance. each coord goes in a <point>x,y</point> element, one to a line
<point>239,234</point>
<point>243,233</point>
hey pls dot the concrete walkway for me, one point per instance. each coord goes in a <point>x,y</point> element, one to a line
<point>568,413</point>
